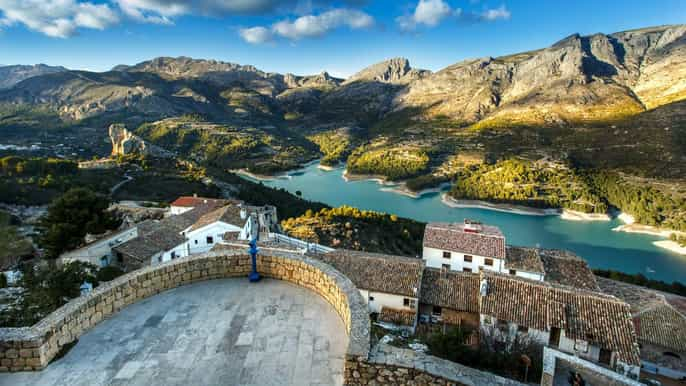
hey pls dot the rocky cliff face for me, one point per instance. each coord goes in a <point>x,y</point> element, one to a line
<point>580,78</point>
<point>396,70</point>
<point>597,78</point>
<point>124,143</point>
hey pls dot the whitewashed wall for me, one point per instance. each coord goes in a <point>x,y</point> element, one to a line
<point>95,252</point>
<point>434,258</point>
<point>386,300</point>
<point>197,240</point>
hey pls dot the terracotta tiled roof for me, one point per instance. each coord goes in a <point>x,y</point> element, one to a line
<point>523,259</point>
<point>192,202</point>
<point>596,318</point>
<point>230,214</point>
<point>565,268</point>
<point>401,317</point>
<point>159,236</point>
<point>488,242</point>
<point>376,272</point>
<point>663,326</point>
<point>450,289</point>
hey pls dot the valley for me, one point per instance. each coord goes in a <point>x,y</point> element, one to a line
<point>592,124</point>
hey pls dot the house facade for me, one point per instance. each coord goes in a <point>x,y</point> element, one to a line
<point>390,285</point>
<point>101,251</point>
<point>467,247</point>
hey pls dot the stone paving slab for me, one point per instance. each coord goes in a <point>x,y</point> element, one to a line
<point>219,332</point>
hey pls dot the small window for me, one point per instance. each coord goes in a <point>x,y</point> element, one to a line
<point>196,242</point>
<point>436,310</point>
<point>173,255</point>
<point>406,302</point>
<point>488,262</point>
<point>371,298</point>
<point>467,259</point>
<point>513,272</point>
<point>466,270</point>
<point>446,267</point>
<point>522,329</point>
<point>446,255</point>
<point>210,240</point>
<point>605,356</point>
<point>503,325</point>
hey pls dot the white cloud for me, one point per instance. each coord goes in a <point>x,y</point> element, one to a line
<point>309,26</point>
<point>429,13</point>
<point>57,18</point>
<point>500,13</point>
<point>256,35</point>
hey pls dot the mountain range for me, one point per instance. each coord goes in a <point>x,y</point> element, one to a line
<point>605,85</point>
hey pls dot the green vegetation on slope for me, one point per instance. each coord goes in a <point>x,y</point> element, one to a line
<point>641,280</point>
<point>521,182</point>
<point>71,216</point>
<point>37,181</point>
<point>12,246</point>
<point>394,163</point>
<point>48,287</point>
<point>352,228</point>
<point>259,150</point>
<point>335,145</point>
<point>648,205</point>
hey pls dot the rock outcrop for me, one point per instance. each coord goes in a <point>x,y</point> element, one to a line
<point>395,70</point>
<point>125,142</point>
<point>579,79</point>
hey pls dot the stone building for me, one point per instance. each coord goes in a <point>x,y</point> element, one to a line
<point>389,284</point>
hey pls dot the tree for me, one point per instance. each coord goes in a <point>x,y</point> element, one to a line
<point>71,216</point>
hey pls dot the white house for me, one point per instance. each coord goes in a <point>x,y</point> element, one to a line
<point>467,247</point>
<point>186,203</point>
<point>100,251</point>
<point>524,262</point>
<point>389,284</point>
<point>211,227</point>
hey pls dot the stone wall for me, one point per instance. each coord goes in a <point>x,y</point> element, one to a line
<point>389,365</point>
<point>32,348</point>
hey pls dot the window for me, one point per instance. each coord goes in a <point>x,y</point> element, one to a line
<point>488,262</point>
<point>605,356</point>
<point>210,240</point>
<point>445,266</point>
<point>513,272</point>
<point>371,298</point>
<point>555,337</point>
<point>466,270</point>
<point>406,302</point>
<point>467,259</point>
<point>522,329</point>
<point>173,255</point>
<point>446,255</point>
<point>196,242</point>
<point>436,310</point>
<point>502,325</point>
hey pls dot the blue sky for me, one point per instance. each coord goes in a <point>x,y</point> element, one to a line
<point>305,36</point>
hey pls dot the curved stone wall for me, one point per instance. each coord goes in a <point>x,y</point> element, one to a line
<point>32,348</point>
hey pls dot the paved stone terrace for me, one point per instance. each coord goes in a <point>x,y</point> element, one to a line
<point>225,331</point>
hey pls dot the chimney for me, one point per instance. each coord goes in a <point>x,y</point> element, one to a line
<point>483,287</point>
<point>471,226</point>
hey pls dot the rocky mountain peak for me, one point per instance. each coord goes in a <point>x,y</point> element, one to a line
<point>11,75</point>
<point>395,70</point>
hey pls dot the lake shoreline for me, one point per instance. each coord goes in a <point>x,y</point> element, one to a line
<point>507,208</point>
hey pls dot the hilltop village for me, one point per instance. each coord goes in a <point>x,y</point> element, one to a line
<point>468,277</point>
